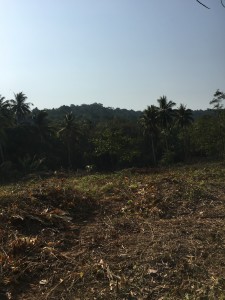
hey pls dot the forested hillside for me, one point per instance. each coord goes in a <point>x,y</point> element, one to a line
<point>74,137</point>
<point>95,112</point>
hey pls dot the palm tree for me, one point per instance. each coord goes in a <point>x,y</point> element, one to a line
<point>183,116</point>
<point>149,122</point>
<point>166,116</point>
<point>2,142</point>
<point>166,112</point>
<point>4,106</point>
<point>19,107</point>
<point>220,115</point>
<point>183,120</point>
<point>41,124</point>
<point>5,121</point>
<point>69,134</point>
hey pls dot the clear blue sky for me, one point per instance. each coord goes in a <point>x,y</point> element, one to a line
<point>121,53</point>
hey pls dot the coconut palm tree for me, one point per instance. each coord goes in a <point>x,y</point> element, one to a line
<point>20,107</point>
<point>4,106</point>
<point>2,142</point>
<point>166,116</point>
<point>183,116</point>
<point>5,121</point>
<point>149,123</point>
<point>183,121</point>
<point>41,125</point>
<point>69,134</point>
<point>3,125</point>
<point>166,112</point>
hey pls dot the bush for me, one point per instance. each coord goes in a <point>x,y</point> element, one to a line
<point>168,158</point>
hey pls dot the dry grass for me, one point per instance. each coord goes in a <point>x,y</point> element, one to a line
<point>130,235</point>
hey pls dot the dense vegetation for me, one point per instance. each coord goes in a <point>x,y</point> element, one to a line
<point>73,137</point>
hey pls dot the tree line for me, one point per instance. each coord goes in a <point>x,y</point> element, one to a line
<point>106,139</point>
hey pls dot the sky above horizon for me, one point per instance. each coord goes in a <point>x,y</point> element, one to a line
<point>121,53</point>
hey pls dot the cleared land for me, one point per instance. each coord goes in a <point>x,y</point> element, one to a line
<point>135,234</point>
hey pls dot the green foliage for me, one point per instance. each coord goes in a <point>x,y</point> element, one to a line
<point>8,171</point>
<point>217,100</point>
<point>29,164</point>
<point>207,139</point>
<point>164,128</point>
<point>149,122</point>
<point>20,107</point>
<point>168,158</point>
<point>183,116</point>
<point>166,112</point>
<point>113,148</point>
<point>95,113</point>
<point>69,134</point>
<point>108,138</point>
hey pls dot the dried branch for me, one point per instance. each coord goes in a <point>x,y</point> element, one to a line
<point>203,4</point>
<point>209,7</point>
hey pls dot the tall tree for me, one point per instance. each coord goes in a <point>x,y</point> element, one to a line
<point>166,116</point>
<point>69,134</point>
<point>149,122</point>
<point>183,116</point>
<point>217,100</point>
<point>220,116</point>
<point>4,106</point>
<point>41,124</point>
<point>20,107</point>
<point>183,121</point>
<point>166,112</point>
<point>5,121</point>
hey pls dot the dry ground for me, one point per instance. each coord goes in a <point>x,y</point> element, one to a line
<point>136,234</point>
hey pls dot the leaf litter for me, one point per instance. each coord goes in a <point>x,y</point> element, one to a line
<point>152,235</point>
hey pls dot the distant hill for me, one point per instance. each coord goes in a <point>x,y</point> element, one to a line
<point>200,113</point>
<point>96,112</point>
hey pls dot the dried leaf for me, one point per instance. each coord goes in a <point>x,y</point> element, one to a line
<point>43,281</point>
